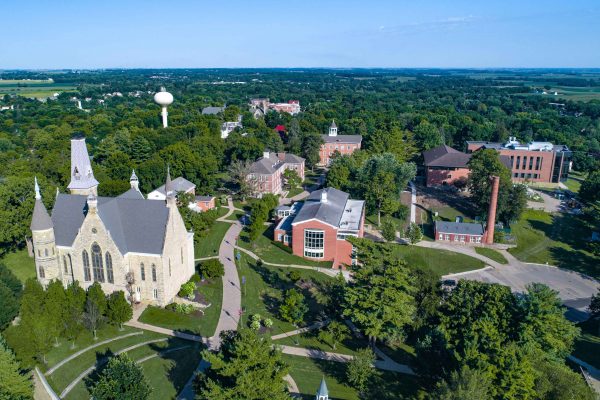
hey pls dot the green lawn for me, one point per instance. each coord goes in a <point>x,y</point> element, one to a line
<point>491,254</point>
<point>587,347</point>
<point>310,340</point>
<point>574,181</point>
<point>556,239</point>
<point>194,323</point>
<point>236,215</point>
<point>307,374</point>
<point>441,262</point>
<point>267,251</point>
<point>208,245</point>
<point>20,264</point>
<point>167,373</point>
<point>264,289</point>
<point>294,191</point>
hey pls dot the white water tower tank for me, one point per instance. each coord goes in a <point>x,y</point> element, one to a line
<point>164,99</point>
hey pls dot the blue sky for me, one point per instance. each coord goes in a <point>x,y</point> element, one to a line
<point>300,33</point>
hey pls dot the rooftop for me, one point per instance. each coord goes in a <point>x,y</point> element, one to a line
<point>445,156</point>
<point>514,144</point>
<point>342,139</point>
<point>332,207</point>
<point>179,184</point>
<point>271,162</point>
<point>461,228</point>
<point>212,110</point>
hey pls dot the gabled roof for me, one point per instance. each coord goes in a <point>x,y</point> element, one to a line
<point>266,166</point>
<point>462,228</point>
<point>291,158</point>
<point>204,198</point>
<point>179,184</point>
<point>82,175</point>
<point>342,139</point>
<point>136,225</point>
<point>332,211</point>
<point>445,156</point>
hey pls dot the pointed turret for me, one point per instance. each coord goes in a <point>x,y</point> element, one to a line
<point>322,393</point>
<point>82,175</point>
<point>40,220</point>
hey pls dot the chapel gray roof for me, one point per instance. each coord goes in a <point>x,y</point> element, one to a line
<point>131,194</point>
<point>329,212</point>
<point>179,184</point>
<point>40,220</point>
<point>212,110</point>
<point>82,175</point>
<point>462,228</point>
<point>353,139</point>
<point>135,225</point>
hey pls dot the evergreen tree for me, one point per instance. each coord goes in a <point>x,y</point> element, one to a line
<point>294,143</point>
<point>590,188</point>
<point>247,367</point>
<point>33,299</point>
<point>427,136</point>
<point>92,317</point>
<point>379,299</point>
<point>74,308</point>
<point>119,310</point>
<point>465,384</point>
<point>11,281</point>
<point>122,378</point>
<point>388,229</point>
<point>14,384</point>
<point>360,369</point>
<point>311,145</point>
<point>414,233</point>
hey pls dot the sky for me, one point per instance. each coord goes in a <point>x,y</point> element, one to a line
<point>302,33</point>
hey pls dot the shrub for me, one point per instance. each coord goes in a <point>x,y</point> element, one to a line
<point>255,325</point>
<point>413,233</point>
<point>294,276</point>
<point>184,308</point>
<point>268,322</point>
<point>171,307</point>
<point>212,268</point>
<point>187,289</point>
<point>256,317</point>
<point>196,278</point>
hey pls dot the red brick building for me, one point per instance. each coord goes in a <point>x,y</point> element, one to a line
<point>343,144</point>
<point>204,203</point>
<point>266,174</point>
<point>317,229</point>
<point>533,162</point>
<point>459,232</point>
<point>445,165</point>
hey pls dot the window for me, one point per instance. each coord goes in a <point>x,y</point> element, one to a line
<point>518,162</point>
<point>109,269</point>
<point>537,163</point>
<point>39,253</point>
<point>181,258</point>
<point>476,239</point>
<point>45,252</point>
<point>154,271</point>
<point>530,163</point>
<point>279,237</point>
<point>446,237</point>
<point>314,243</point>
<point>524,162</point>
<point>155,293</point>
<point>86,266</point>
<point>42,273</point>
<point>142,272</point>
<point>65,264</point>
<point>53,251</point>
<point>441,236</point>
<point>97,267</point>
<point>287,238</point>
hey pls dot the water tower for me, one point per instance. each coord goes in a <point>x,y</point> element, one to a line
<point>163,99</point>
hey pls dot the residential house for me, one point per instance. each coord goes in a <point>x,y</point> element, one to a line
<point>178,185</point>
<point>459,232</point>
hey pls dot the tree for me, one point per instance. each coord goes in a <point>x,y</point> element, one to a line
<point>74,308</point>
<point>334,333</point>
<point>360,369</point>
<point>9,305</point>
<point>92,317</point>
<point>239,171</point>
<point>122,378</point>
<point>14,384</point>
<point>594,307</point>
<point>293,307</point>
<point>427,136</point>
<point>311,145</point>
<point>483,165</point>
<point>212,268</point>
<point>292,178</point>
<point>464,384</point>
<point>381,179</point>
<point>119,310</point>
<point>395,140</point>
<point>543,323</point>
<point>97,296</point>
<point>294,143</point>
<point>388,229</point>
<point>379,298</point>
<point>590,188</point>
<point>11,281</point>
<point>556,381</point>
<point>16,206</point>
<point>247,367</point>
<point>54,307</point>
<point>414,233</point>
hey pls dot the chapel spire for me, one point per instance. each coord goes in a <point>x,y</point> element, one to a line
<point>82,175</point>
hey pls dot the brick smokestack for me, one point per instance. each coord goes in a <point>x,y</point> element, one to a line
<point>491,221</point>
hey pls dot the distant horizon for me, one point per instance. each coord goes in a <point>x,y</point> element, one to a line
<point>306,68</point>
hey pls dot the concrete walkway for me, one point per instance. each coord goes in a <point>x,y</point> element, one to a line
<point>413,202</point>
<point>292,387</point>
<point>387,364</point>
<point>312,327</point>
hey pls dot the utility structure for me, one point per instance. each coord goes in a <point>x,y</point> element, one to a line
<point>164,99</point>
<point>491,220</point>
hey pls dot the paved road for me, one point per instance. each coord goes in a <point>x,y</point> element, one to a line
<point>550,203</point>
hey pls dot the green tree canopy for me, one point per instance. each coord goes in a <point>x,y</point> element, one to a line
<point>122,378</point>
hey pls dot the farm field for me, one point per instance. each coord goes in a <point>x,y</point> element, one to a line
<point>33,88</point>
